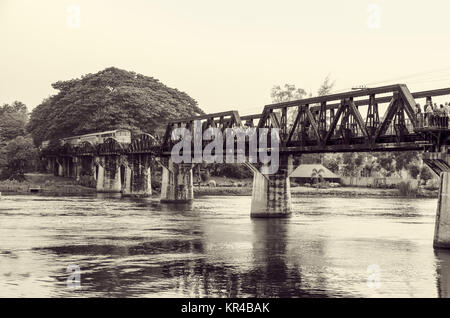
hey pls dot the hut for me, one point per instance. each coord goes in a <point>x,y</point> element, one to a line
<point>303,174</point>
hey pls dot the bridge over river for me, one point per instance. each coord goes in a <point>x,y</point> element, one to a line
<point>374,119</point>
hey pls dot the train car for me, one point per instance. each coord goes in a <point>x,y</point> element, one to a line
<point>121,135</point>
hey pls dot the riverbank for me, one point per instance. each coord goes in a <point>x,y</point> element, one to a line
<point>48,184</point>
<point>299,191</point>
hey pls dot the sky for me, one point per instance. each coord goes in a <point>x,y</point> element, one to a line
<point>225,54</point>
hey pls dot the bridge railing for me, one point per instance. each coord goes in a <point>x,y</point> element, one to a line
<point>432,121</point>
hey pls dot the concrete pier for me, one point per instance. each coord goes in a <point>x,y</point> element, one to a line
<point>111,178</point>
<point>442,226</point>
<point>271,194</point>
<point>177,182</point>
<point>139,176</point>
<point>59,168</point>
<point>100,177</point>
<point>126,181</point>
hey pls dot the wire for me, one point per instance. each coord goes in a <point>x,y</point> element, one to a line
<point>411,76</point>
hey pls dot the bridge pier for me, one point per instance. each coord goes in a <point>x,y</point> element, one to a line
<point>112,175</point>
<point>138,178</point>
<point>108,176</point>
<point>59,167</point>
<point>271,193</point>
<point>442,226</point>
<point>86,171</point>
<point>439,162</point>
<point>77,168</point>
<point>125,176</point>
<point>100,173</point>
<point>177,182</point>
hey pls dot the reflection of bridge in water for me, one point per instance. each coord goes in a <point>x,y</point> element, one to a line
<point>345,122</point>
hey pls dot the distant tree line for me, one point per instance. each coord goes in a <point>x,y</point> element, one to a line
<point>17,151</point>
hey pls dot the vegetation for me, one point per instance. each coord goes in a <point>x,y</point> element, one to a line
<point>110,99</point>
<point>236,171</point>
<point>316,176</point>
<point>17,152</point>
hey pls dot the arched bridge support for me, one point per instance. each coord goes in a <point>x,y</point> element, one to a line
<point>440,163</point>
<point>271,193</point>
<point>177,182</point>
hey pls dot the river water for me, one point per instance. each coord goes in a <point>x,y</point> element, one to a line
<point>330,247</point>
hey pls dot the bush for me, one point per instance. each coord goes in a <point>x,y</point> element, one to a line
<point>405,189</point>
<point>205,176</point>
<point>432,184</point>
<point>414,170</point>
<point>426,173</point>
<point>235,171</point>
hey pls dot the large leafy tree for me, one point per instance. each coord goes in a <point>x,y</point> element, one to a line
<point>110,99</point>
<point>13,120</point>
<point>17,152</point>
<point>20,157</point>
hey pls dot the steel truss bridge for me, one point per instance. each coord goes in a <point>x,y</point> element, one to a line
<point>367,120</point>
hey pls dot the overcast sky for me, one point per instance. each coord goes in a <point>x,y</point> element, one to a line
<point>226,54</point>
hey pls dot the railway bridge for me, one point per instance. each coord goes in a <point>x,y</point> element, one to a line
<point>367,120</point>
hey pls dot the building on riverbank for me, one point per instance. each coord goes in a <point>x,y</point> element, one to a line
<point>304,173</point>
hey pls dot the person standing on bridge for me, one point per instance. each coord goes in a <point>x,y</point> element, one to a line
<point>419,115</point>
<point>441,116</point>
<point>435,116</point>
<point>428,115</point>
<point>447,114</point>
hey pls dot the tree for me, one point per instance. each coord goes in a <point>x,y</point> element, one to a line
<point>350,166</point>
<point>332,162</point>
<point>326,87</point>
<point>286,94</point>
<point>370,166</point>
<point>386,162</point>
<point>20,157</point>
<point>414,170</point>
<point>316,175</point>
<point>13,120</point>
<point>426,173</point>
<point>403,159</point>
<point>110,99</point>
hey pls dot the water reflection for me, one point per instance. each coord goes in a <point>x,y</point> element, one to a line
<point>443,273</point>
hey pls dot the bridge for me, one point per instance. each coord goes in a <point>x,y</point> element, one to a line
<point>367,120</point>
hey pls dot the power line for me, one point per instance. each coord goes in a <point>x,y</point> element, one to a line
<point>411,76</point>
<point>400,78</point>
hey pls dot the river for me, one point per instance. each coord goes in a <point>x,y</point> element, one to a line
<point>330,247</point>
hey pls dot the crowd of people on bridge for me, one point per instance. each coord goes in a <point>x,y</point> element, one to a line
<point>433,115</point>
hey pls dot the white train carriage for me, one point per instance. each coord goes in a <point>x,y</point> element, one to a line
<point>121,135</point>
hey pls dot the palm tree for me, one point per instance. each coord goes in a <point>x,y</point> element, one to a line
<point>316,175</point>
